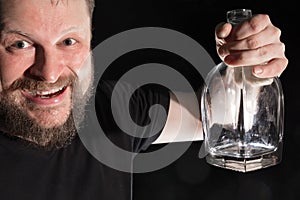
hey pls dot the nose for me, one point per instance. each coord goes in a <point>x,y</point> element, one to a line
<point>48,65</point>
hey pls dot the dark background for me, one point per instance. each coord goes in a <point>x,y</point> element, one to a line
<point>189,177</point>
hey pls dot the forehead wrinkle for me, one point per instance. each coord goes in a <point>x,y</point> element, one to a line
<point>56,26</point>
<point>56,2</point>
<point>15,31</point>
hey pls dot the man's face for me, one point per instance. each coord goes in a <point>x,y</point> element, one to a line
<point>44,47</point>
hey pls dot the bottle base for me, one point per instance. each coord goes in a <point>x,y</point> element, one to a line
<point>246,164</point>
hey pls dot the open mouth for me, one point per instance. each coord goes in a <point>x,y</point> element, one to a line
<point>46,97</point>
<point>47,94</point>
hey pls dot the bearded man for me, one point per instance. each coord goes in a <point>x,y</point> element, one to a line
<point>46,70</point>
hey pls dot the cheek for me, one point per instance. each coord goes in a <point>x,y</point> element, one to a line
<point>76,60</point>
<point>85,75</point>
<point>13,67</point>
<point>81,64</point>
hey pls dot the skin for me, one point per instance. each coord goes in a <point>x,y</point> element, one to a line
<point>47,44</point>
<point>251,43</point>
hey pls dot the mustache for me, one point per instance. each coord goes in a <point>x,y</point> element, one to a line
<point>32,84</point>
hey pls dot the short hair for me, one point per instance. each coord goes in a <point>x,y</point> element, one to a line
<point>90,4</point>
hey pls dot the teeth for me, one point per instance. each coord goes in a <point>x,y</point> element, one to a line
<point>44,93</point>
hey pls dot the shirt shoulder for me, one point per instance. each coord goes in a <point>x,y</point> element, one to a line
<point>130,114</point>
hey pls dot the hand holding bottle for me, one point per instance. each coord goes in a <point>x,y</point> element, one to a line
<point>242,106</point>
<point>254,42</point>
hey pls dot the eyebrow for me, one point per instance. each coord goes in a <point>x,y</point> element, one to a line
<point>16,32</point>
<point>72,29</point>
<point>12,31</point>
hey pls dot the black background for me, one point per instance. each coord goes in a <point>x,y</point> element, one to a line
<point>189,177</point>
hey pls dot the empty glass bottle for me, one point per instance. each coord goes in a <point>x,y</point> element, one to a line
<point>242,115</point>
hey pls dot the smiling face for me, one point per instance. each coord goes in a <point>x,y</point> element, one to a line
<point>44,50</point>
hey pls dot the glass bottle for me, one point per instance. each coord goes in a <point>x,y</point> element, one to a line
<point>242,115</point>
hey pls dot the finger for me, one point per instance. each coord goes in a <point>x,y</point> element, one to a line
<point>272,69</point>
<point>268,36</point>
<point>255,56</point>
<point>250,27</point>
<point>222,30</point>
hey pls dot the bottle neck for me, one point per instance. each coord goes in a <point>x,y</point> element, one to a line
<point>238,15</point>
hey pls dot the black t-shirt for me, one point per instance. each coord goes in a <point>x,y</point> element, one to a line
<point>72,173</point>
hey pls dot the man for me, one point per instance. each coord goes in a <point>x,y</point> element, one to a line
<point>45,68</point>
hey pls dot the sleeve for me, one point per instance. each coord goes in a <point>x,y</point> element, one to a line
<point>141,102</point>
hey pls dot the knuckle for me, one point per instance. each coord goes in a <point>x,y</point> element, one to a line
<point>262,52</point>
<point>282,47</point>
<point>253,43</point>
<point>266,17</point>
<point>286,62</point>
<point>254,24</point>
<point>263,17</point>
<point>277,31</point>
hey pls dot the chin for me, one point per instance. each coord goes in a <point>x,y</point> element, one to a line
<point>50,118</point>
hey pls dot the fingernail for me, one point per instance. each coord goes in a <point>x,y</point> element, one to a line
<point>258,70</point>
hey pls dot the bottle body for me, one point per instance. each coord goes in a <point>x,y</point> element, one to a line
<point>243,119</point>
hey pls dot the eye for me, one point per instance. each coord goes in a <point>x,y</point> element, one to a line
<point>69,42</point>
<point>21,44</point>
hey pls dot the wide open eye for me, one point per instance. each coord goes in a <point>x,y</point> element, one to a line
<point>21,44</point>
<point>69,42</point>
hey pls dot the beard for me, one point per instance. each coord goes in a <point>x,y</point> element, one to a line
<point>16,123</point>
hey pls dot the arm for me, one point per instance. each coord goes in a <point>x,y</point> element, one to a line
<point>183,122</point>
<point>250,43</point>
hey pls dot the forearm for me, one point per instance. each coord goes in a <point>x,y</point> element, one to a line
<point>183,122</point>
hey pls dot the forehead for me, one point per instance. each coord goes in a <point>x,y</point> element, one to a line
<point>42,14</point>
